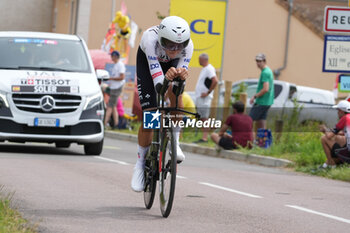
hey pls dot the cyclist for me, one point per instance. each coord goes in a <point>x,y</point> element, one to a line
<point>164,52</point>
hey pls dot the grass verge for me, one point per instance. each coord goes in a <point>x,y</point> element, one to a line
<point>11,220</point>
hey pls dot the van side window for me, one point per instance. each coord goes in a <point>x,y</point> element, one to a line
<point>251,90</point>
<point>292,91</point>
<point>278,90</point>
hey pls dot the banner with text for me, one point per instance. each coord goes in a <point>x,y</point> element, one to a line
<point>206,19</point>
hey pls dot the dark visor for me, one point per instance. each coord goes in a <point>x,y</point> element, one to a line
<point>169,45</point>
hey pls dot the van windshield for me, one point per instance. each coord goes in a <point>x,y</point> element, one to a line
<point>43,54</point>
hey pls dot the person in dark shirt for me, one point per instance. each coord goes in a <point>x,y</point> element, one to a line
<point>241,126</point>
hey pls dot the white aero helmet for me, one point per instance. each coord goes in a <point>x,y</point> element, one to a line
<point>174,33</point>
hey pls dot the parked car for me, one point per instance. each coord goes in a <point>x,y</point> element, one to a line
<point>316,104</point>
<point>49,91</point>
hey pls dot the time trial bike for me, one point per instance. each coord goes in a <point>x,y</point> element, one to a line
<point>161,162</point>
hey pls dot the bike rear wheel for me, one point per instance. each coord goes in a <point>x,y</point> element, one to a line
<point>150,181</point>
<point>167,174</point>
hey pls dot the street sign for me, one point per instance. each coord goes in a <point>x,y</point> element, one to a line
<point>344,83</point>
<point>336,54</point>
<point>336,19</point>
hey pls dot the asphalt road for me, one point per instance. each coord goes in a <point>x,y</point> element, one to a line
<point>65,191</point>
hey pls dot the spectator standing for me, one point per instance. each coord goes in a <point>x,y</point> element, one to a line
<point>206,83</point>
<point>241,126</point>
<point>115,83</point>
<point>263,99</point>
<point>335,138</point>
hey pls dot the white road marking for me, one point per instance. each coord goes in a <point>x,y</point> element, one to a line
<point>319,213</point>
<point>112,147</point>
<point>231,190</point>
<point>181,177</point>
<point>111,160</point>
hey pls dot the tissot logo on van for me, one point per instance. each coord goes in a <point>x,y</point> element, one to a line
<point>45,81</point>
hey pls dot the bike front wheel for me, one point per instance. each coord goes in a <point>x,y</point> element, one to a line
<point>150,182</point>
<point>167,173</point>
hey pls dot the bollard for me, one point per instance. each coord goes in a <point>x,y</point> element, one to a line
<point>227,99</point>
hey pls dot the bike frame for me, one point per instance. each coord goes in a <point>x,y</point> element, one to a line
<point>155,155</point>
<point>155,145</point>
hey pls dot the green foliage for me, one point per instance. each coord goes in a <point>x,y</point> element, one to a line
<point>241,89</point>
<point>192,135</point>
<point>160,16</point>
<point>293,118</point>
<point>132,128</point>
<point>340,173</point>
<point>11,220</point>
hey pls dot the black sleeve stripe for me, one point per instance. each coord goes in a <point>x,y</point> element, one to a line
<point>154,31</point>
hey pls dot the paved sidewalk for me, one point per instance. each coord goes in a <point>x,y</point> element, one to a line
<point>194,148</point>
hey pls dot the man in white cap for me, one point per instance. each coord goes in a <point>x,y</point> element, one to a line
<point>335,138</point>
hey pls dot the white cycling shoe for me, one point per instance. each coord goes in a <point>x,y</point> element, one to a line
<point>138,179</point>
<point>180,154</point>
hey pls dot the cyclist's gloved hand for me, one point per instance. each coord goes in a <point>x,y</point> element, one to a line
<point>182,73</point>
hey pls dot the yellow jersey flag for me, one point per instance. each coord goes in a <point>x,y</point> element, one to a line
<point>206,19</point>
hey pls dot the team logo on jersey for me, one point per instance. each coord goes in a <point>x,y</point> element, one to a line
<point>155,75</point>
<point>152,58</point>
<point>154,66</point>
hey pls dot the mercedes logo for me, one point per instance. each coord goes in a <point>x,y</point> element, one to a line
<point>47,103</point>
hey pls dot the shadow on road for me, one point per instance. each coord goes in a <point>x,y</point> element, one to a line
<point>115,212</point>
<point>36,149</point>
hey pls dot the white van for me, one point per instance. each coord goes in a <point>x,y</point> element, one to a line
<point>316,103</point>
<point>49,91</point>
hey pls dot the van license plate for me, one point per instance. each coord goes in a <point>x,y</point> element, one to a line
<point>46,122</point>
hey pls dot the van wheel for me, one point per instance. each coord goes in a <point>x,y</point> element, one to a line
<point>93,148</point>
<point>62,144</point>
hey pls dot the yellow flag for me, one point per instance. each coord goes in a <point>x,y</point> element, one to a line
<point>207,22</point>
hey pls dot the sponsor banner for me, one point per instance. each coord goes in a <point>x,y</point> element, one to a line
<point>207,24</point>
<point>127,97</point>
